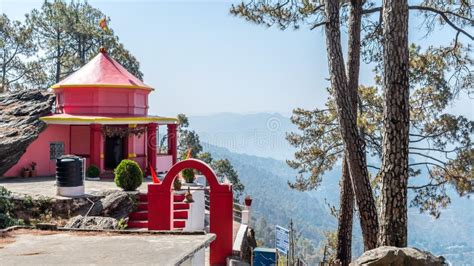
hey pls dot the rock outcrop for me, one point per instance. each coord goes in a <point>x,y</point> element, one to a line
<point>20,124</point>
<point>112,203</point>
<point>398,256</point>
<point>116,204</point>
<point>92,222</point>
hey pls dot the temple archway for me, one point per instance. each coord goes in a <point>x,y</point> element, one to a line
<point>160,208</point>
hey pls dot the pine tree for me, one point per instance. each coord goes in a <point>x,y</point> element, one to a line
<point>320,144</point>
<point>16,46</point>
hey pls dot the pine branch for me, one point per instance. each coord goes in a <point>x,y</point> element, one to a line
<point>429,185</point>
<point>428,157</point>
<point>442,13</point>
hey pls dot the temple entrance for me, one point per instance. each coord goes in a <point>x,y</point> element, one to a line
<point>160,208</point>
<point>114,151</point>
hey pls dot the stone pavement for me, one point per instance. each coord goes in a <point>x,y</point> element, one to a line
<point>46,186</point>
<point>33,247</point>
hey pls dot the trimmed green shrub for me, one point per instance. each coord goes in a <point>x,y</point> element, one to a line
<point>128,175</point>
<point>92,171</point>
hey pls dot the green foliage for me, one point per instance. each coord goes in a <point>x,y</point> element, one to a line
<point>58,39</point>
<point>17,47</point>
<point>188,175</point>
<point>440,143</point>
<point>224,169</point>
<point>128,175</point>
<point>205,157</point>
<point>177,184</point>
<point>122,224</point>
<point>93,171</point>
<point>6,219</point>
<point>188,139</point>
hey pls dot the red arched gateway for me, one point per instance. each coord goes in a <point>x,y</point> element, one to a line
<point>160,207</point>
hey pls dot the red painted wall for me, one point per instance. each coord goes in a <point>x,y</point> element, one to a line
<point>38,151</point>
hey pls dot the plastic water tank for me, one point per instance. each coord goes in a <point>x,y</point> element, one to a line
<point>69,176</point>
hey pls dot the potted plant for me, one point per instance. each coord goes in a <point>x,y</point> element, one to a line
<point>33,168</point>
<point>177,184</point>
<point>93,172</point>
<point>25,172</point>
<point>188,175</point>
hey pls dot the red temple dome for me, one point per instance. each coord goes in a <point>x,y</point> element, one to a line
<point>102,71</point>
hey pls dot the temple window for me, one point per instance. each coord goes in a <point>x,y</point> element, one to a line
<point>56,150</point>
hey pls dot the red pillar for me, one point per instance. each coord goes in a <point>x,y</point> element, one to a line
<point>95,143</point>
<point>151,144</point>
<point>160,208</point>
<point>173,141</point>
<point>221,224</point>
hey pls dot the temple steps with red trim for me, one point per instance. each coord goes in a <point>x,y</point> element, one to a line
<point>138,224</point>
<point>181,206</point>
<point>179,223</point>
<point>142,206</point>
<point>180,214</point>
<point>143,197</point>
<point>139,218</point>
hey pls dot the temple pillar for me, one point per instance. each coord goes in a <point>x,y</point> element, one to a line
<point>173,142</point>
<point>151,144</point>
<point>95,145</point>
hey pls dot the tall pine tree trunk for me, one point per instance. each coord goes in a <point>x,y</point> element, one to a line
<point>346,209</point>
<point>394,171</point>
<point>58,57</point>
<point>354,147</point>
<point>346,213</point>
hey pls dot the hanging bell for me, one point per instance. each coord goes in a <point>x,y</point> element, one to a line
<point>188,197</point>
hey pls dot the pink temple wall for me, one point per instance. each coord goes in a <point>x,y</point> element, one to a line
<point>76,140</point>
<point>136,146</point>
<point>38,151</point>
<point>99,101</point>
<point>163,162</point>
<point>80,140</point>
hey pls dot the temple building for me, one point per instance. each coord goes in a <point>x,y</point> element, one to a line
<point>101,114</point>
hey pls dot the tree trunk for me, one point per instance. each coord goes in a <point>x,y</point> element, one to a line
<point>346,209</point>
<point>348,125</point>
<point>58,57</point>
<point>346,213</point>
<point>394,171</point>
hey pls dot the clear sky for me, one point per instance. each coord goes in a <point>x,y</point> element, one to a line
<point>202,60</point>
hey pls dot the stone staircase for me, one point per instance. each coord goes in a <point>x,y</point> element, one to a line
<point>139,218</point>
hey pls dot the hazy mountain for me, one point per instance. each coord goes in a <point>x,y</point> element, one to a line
<point>265,179</point>
<point>261,134</point>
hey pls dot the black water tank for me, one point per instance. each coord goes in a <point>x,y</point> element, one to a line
<point>69,171</point>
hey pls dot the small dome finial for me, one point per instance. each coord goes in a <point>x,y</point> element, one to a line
<point>102,50</point>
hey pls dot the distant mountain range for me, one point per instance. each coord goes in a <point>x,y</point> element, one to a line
<point>266,177</point>
<point>261,134</point>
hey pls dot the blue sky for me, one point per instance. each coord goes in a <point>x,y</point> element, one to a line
<point>201,60</point>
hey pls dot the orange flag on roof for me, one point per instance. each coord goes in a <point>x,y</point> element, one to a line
<point>103,24</point>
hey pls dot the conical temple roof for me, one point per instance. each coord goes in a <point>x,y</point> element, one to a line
<point>102,71</point>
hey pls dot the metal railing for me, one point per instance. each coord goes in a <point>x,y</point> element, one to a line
<point>237,207</point>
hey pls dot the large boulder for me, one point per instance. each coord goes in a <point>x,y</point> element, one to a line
<point>20,124</point>
<point>116,204</point>
<point>398,256</point>
<point>92,222</point>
